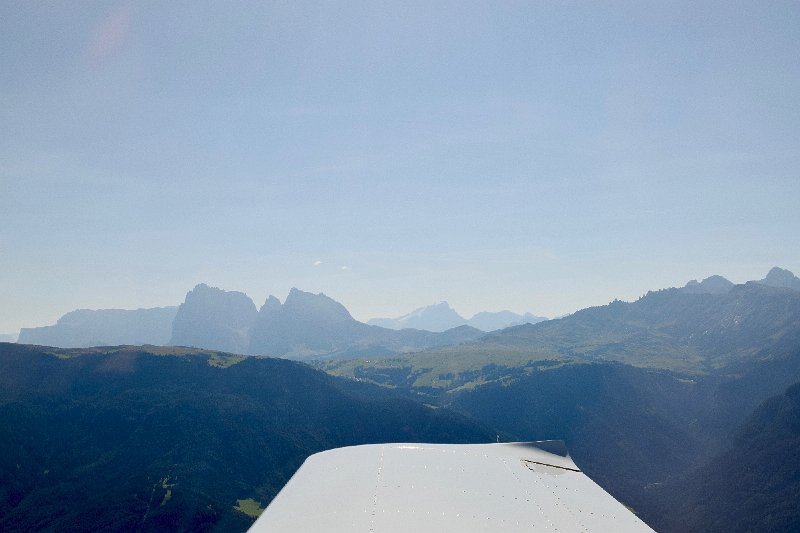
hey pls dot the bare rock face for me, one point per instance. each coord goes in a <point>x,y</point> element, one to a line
<point>215,319</point>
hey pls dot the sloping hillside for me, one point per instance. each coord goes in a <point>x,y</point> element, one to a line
<point>166,439</point>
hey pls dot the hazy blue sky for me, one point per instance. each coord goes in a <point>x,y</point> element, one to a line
<point>535,156</point>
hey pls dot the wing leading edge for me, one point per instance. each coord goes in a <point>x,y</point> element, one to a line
<point>443,488</point>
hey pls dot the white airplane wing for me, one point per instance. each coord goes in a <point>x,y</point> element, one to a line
<point>442,488</point>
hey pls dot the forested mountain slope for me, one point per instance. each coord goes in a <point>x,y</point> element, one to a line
<point>169,440</point>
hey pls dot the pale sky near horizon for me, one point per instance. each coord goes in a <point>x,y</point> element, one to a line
<point>533,156</point>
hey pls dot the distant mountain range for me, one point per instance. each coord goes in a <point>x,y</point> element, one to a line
<point>8,337</point>
<point>776,277</point>
<point>309,325</point>
<point>670,328</point>
<point>305,326</point>
<point>440,317</point>
<point>700,328</point>
<point>104,327</point>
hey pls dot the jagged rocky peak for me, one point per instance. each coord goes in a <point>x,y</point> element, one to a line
<point>272,305</point>
<point>307,305</point>
<point>779,277</point>
<point>437,311</point>
<point>711,285</point>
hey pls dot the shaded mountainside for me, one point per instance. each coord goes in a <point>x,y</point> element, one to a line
<point>169,439</point>
<point>625,427</point>
<point>104,327</point>
<point>753,485</point>
<point>632,429</point>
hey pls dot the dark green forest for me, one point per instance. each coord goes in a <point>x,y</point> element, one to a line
<point>124,439</point>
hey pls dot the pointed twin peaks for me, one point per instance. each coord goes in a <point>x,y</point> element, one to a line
<point>305,323</point>
<point>305,303</point>
<point>228,320</point>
